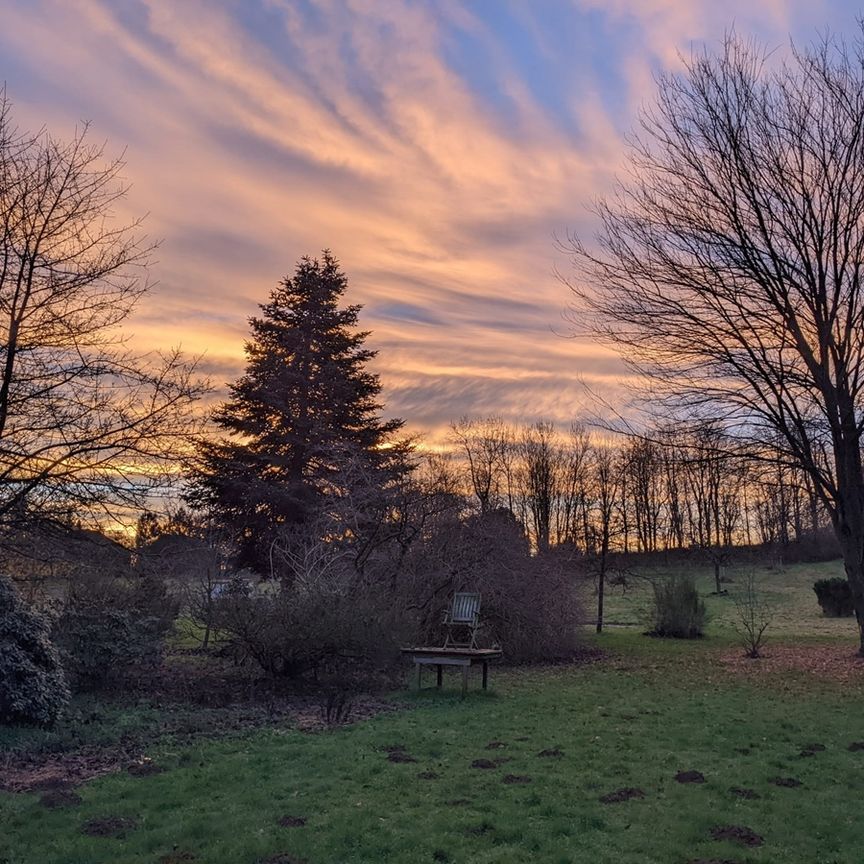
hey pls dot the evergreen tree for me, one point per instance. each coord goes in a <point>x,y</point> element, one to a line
<point>305,407</point>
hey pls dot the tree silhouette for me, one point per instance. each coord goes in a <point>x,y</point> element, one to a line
<point>306,407</point>
<point>730,264</point>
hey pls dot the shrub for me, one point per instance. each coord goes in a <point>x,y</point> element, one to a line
<point>110,626</point>
<point>678,611</point>
<point>33,687</point>
<point>323,628</point>
<point>754,614</point>
<point>530,604</point>
<point>835,597</point>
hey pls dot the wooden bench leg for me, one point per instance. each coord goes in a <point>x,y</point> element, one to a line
<point>465,680</point>
<point>485,674</point>
<point>440,669</point>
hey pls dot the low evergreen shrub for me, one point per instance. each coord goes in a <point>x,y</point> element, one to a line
<point>678,612</point>
<point>835,597</point>
<point>33,687</point>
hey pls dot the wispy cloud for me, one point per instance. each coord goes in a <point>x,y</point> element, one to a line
<point>436,148</point>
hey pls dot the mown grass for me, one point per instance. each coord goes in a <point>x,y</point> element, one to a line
<point>634,720</point>
<point>789,590</point>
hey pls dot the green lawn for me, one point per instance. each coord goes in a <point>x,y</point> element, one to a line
<point>789,589</point>
<point>635,720</point>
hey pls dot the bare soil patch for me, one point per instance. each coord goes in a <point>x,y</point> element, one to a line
<point>737,834</point>
<point>620,795</point>
<point>552,753</point>
<point>292,821</point>
<point>516,779</point>
<point>23,772</point>
<point>856,746</point>
<point>400,757</point>
<point>786,782</point>
<point>690,777</point>
<point>495,745</point>
<point>109,826</point>
<point>485,764</point>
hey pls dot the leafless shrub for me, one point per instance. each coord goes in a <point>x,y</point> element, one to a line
<point>754,615</point>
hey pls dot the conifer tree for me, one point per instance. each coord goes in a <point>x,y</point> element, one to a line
<point>305,407</point>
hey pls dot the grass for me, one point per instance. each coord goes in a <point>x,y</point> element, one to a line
<point>789,590</point>
<point>634,720</point>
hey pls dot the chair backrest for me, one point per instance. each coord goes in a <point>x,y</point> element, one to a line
<point>466,607</point>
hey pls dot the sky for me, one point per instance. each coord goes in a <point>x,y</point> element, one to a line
<point>437,148</point>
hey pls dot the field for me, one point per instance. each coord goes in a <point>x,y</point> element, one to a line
<point>642,756</point>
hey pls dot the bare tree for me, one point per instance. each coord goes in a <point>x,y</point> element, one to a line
<point>608,468</point>
<point>487,446</point>
<point>541,469</point>
<point>85,424</point>
<point>730,262</point>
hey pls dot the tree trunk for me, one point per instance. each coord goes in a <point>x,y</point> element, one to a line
<point>849,524</point>
<point>601,583</point>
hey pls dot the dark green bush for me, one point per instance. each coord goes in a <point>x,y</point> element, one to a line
<point>678,611</point>
<point>835,597</point>
<point>33,687</point>
<point>111,626</point>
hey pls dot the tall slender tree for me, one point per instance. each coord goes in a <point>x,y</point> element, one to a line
<point>306,406</point>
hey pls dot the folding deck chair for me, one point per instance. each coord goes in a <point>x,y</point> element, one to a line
<point>462,617</point>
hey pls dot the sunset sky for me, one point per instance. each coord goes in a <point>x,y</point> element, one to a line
<point>436,147</point>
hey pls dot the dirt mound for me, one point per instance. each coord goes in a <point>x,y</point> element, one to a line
<point>516,779</point>
<point>397,753</point>
<point>690,777</point>
<point>856,746</point>
<point>748,794</point>
<point>427,775</point>
<point>485,764</point>
<point>495,745</point>
<point>786,782</point>
<point>620,795</point>
<point>109,826</point>
<point>552,753</point>
<point>737,834</point>
<point>812,749</point>
<point>292,821</point>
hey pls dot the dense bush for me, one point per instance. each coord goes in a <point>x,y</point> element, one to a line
<point>835,597</point>
<point>677,612</point>
<point>33,687</point>
<point>292,630</point>
<point>111,626</point>
<point>530,603</point>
